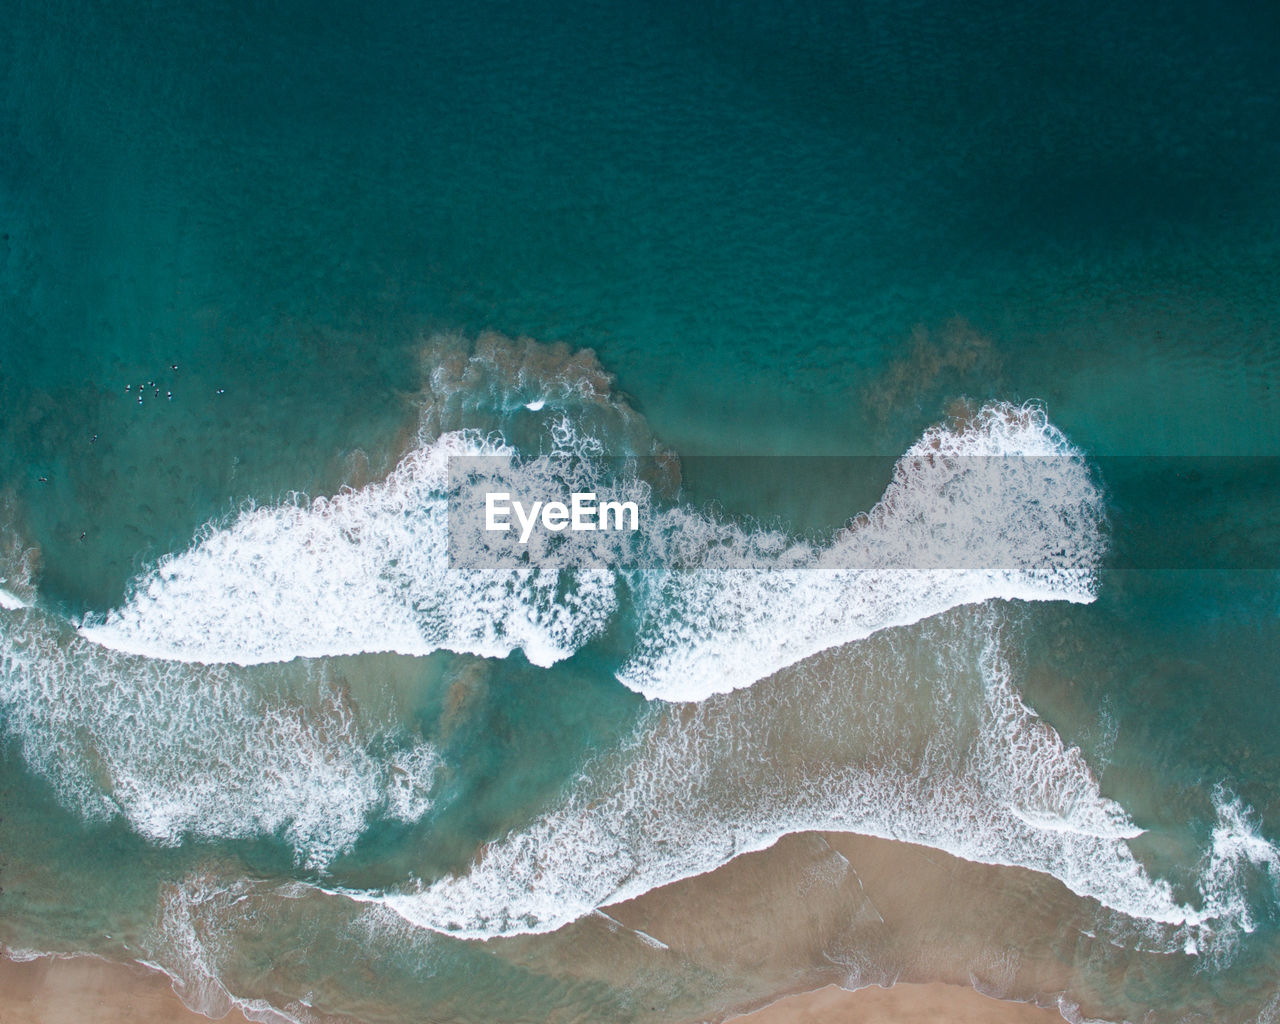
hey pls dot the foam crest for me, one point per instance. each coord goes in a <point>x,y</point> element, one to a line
<point>367,570</point>
<point>183,751</point>
<point>1001,506</point>
<point>998,507</point>
<point>916,736</point>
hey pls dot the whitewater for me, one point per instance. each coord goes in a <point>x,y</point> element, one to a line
<point>999,507</point>
<point>750,631</point>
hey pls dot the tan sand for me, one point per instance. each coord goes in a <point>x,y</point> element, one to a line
<point>88,990</point>
<point>830,908</point>
<point>903,1004</point>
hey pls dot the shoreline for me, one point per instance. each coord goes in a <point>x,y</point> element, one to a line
<point>83,988</point>
<point>934,1002</point>
<point>87,989</point>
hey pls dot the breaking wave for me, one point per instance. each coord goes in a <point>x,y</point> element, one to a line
<point>845,684</point>
<point>916,735</point>
<point>183,751</point>
<point>1000,506</point>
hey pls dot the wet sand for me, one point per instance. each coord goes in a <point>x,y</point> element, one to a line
<point>902,1004</point>
<point>754,941</point>
<point>87,990</point>
<point>835,909</point>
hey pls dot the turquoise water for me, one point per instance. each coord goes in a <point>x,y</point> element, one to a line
<point>247,254</point>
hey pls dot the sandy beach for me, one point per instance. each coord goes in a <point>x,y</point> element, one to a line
<point>768,918</point>
<point>88,990</point>
<point>902,1004</point>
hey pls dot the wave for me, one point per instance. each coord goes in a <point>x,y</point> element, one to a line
<point>365,571</point>
<point>1000,506</point>
<point>1239,861</point>
<point>19,564</point>
<point>187,945</point>
<point>200,751</point>
<point>768,717</point>
<point>915,735</point>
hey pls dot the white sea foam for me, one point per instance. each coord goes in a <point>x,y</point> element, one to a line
<point>9,602</point>
<point>1000,507</point>
<point>191,950</point>
<point>856,741</point>
<point>363,571</point>
<point>1239,862</point>
<point>411,775</point>
<point>183,750</point>
<point>19,564</point>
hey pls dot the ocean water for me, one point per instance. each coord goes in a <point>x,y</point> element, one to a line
<point>1003,279</point>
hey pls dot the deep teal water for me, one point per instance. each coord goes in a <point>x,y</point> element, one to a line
<point>785,230</point>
